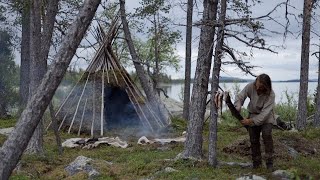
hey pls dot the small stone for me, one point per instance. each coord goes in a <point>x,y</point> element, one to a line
<point>293,153</point>
<point>251,177</point>
<point>282,174</point>
<point>170,169</point>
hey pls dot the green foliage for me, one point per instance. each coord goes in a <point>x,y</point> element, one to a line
<point>158,52</point>
<point>167,56</point>
<point>311,104</point>
<point>8,73</point>
<point>287,110</point>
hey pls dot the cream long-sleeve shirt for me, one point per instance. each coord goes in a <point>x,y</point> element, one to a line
<point>260,107</point>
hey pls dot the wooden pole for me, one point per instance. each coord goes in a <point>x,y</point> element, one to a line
<point>93,107</point>
<point>102,103</point>
<point>74,116</point>
<point>83,112</point>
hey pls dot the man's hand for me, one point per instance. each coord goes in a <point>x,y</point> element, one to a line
<point>247,122</point>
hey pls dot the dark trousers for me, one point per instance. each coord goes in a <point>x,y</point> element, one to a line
<point>254,133</point>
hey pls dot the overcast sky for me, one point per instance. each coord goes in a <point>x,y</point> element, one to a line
<point>281,66</point>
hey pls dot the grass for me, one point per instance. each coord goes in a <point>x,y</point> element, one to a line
<point>5,123</point>
<point>138,162</point>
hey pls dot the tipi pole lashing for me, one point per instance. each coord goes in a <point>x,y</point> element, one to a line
<point>74,116</point>
<point>102,103</point>
<point>83,112</point>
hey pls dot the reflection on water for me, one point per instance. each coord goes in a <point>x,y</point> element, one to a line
<point>175,91</point>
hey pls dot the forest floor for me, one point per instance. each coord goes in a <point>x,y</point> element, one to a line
<point>296,152</point>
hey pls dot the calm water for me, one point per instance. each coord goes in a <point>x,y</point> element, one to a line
<point>175,91</point>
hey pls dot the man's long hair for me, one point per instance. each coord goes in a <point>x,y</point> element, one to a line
<point>266,81</point>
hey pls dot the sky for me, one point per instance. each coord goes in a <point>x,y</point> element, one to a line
<point>283,65</point>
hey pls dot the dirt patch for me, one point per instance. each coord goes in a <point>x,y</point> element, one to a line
<point>284,147</point>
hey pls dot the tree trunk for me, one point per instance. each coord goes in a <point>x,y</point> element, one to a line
<point>3,110</point>
<point>145,80</point>
<point>55,128</point>
<point>46,40</point>
<point>304,69</point>
<point>213,126</point>
<point>3,104</point>
<point>17,141</point>
<point>193,144</point>
<point>316,121</point>
<point>187,79</point>
<point>48,27</point>
<point>25,56</point>
<point>156,51</point>
<point>37,70</point>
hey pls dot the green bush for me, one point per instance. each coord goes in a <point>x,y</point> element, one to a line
<point>287,110</point>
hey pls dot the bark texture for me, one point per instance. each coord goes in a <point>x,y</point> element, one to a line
<point>187,76</point>
<point>316,121</point>
<point>25,56</point>
<point>304,68</point>
<point>193,144</point>
<point>14,146</point>
<point>213,126</point>
<point>48,27</point>
<point>146,82</point>
<point>37,70</point>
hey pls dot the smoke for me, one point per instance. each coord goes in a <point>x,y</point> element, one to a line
<point>85,105</point>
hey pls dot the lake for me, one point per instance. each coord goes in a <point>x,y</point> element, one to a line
<point>175,91</point>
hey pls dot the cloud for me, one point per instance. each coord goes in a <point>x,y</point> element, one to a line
<point>281,66</point>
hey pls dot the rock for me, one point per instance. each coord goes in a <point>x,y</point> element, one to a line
<point>71,143</point>
<point>170,169</point>
<point>93,173</point>
<point>251,177</point>
<point>109,163</point>
<point>293,153</point>
<point>175,107</point>
<point>6,131</point>
<point>282,174</point>
<point>82,163</point>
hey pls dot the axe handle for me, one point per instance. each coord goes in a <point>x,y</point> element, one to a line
<point>233,110</point>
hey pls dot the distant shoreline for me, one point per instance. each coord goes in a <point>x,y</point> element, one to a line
<point>237,80</point>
